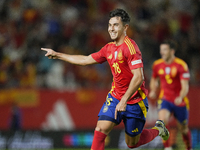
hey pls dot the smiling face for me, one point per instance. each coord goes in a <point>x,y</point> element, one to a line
<point>116,29</point>
<point>166,53</point>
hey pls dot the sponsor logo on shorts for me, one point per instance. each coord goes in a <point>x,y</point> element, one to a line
<point>135,130</point>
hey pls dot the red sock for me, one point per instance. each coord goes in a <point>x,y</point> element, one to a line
<point>98,140</point>
<point>187,140</point>
<point>166,143</point>
<point>146,136</point>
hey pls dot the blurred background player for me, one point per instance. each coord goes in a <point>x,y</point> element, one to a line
<point>15,118</point>
<point>127,99</point>
<point>171,76</point>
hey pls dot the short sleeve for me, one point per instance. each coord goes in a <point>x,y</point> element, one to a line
<point>134,60</point>
<point>184,72</point>
<point>100,56</point>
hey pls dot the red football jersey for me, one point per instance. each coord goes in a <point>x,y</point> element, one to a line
<point>122,59</point>
<point>170,76</point>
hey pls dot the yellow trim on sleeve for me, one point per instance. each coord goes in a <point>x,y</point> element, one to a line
<point>130,46</point>
<point>158,61</point>
<point>182,63</point>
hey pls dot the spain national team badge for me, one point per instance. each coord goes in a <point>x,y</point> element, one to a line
<point>173,71</point>
<point>120,56</point>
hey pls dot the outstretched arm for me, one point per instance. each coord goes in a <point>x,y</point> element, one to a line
<point>73,59</point>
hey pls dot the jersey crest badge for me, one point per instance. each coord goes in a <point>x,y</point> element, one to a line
<point>120,56</point>
<point>173,71</point>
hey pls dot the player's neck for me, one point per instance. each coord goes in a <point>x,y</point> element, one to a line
<point>120,40</point>
<point>170,60</point>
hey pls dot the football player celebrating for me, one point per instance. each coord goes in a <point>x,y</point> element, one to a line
<point>127,99</point>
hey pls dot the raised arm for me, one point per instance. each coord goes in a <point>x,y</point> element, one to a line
<point>73,59</point>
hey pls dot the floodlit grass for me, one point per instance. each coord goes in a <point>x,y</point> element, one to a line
<point>106,149</point>
<point>115,149</point>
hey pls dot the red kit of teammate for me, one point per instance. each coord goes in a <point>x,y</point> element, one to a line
<point>171,75</point>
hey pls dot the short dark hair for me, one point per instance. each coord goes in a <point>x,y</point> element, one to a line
<point>172,44</point>
<point>120,13</point>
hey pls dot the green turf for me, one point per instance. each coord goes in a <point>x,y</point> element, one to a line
<point>105,149</point>
<point>114,149</point>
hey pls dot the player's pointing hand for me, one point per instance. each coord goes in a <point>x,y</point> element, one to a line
<point>51,54</point>
<point>121,106</point>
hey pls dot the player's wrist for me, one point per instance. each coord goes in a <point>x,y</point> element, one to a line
<point>153,91</point>
<point>59,55</point>
<point>124,100</point>
<point>181,96</point>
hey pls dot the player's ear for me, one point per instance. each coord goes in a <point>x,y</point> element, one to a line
<point>126,27</point>
<point>173,51</point>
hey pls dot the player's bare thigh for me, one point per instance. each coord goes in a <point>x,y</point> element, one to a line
<point>131,141</point>
<point>164,114</point>
<point>105,126</point>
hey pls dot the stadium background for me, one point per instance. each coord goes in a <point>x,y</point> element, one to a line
<point>46,104</point>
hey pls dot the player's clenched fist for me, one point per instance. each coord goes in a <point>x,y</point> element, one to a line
<point>51,54</point>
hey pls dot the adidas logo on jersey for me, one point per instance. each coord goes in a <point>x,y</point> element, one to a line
<point>110,57</point>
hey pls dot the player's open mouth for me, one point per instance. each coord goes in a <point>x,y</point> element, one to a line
<point>112,34</point>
